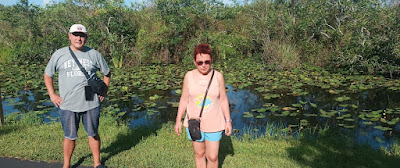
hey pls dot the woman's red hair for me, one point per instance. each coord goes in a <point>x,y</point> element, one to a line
<point>202,48</point>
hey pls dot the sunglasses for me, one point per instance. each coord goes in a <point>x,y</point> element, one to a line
<point>79,34</point>
<point>201,62</point>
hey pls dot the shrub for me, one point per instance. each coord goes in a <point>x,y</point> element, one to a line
<point>281,56</point>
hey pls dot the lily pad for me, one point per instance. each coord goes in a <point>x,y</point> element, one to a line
<point>297,105</point>
<point>261,110</point>
<point>383,128</point>
<point>155,97</point>
<point>349,119</point>
<point>313,105</point>
<point>121,114</point>
<point>342,99</point>
<point>349,126</point>
<point>178,91</point>
<point>247,114</point>
<point>261,116</point>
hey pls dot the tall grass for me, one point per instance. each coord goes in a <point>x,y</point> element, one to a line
<point>281,56</point>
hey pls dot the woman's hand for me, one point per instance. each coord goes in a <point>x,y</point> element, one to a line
<point>228,128</point>
<point>178,128</point>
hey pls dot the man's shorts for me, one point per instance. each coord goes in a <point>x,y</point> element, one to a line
<point>209,136</point>
<point>70,122</point>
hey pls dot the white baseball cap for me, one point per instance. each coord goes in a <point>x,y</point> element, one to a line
<point>77,28</point>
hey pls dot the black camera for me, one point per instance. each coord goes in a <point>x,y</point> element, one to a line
<point>89,95</point>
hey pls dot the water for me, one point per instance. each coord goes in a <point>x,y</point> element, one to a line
<point>140,110</point>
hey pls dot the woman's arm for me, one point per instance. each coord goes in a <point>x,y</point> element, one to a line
<point>182,105</point>
<point>224,104</point>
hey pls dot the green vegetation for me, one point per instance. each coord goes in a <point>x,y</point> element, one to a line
<point>272,85</point>
<point>277,48</point>
<point>284,34</point>
<point>161,147</point>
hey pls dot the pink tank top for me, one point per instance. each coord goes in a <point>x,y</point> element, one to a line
<point>212,119</point>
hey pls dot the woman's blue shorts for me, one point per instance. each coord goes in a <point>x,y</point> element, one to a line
<point>209,136</point>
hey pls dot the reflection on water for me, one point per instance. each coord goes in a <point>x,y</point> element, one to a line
<point>243,101</point>
<point>140,110</point>
<point>28,101</point>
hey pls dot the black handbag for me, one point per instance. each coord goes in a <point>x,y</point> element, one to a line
<point>194,124</point>
<point>194,129</point>
<point>95,83</point>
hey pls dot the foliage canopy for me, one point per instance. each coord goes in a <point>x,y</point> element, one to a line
<point>361,36</point>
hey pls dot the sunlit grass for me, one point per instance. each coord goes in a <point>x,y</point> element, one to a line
<point>159,146</point>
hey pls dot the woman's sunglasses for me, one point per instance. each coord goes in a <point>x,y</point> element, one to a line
<point>201,62</point>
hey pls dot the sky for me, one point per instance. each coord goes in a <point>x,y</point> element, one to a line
<point>44,2</point>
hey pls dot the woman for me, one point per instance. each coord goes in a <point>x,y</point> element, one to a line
<point>215,117</point>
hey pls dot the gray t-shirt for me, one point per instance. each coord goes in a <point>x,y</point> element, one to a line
<point>71,80</point>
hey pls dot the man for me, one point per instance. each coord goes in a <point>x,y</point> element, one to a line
<point>73,89</point>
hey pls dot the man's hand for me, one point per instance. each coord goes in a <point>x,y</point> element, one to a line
<point>101,98</point>
<point>56,99</point>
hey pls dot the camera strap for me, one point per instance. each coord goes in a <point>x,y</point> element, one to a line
<point>205,96</point>
<point>79,64</point>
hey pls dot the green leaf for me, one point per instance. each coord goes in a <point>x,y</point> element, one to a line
<point>313,105</point>
<point>247,114</point>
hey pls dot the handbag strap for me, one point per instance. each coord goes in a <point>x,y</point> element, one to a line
<point>79,64</point>
<point>205,96</point>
